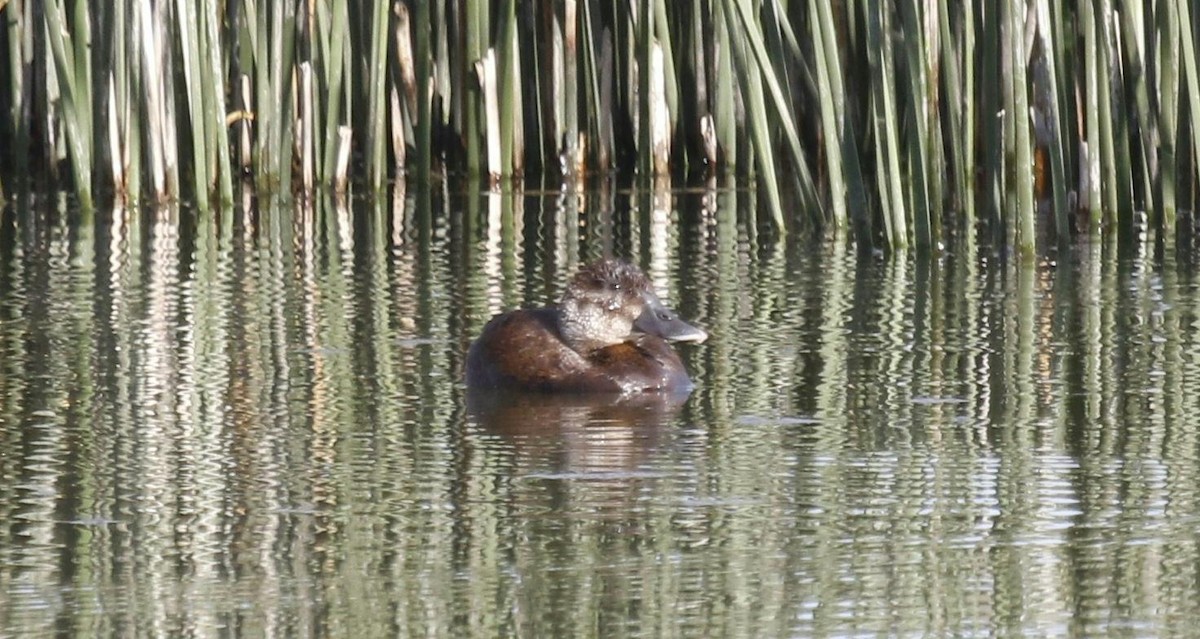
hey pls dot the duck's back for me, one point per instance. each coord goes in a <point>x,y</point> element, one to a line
<point>523,350</point>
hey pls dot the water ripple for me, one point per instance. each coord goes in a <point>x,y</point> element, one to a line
<point>255,423</point>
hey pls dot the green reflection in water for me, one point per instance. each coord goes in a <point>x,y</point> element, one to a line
<point>254,424</point>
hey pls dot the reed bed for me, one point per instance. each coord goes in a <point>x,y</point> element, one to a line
<point>896,120</point>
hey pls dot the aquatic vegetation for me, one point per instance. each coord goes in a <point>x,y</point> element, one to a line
<point>889,119</point>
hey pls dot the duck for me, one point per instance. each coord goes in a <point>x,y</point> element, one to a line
<point>609,333</point>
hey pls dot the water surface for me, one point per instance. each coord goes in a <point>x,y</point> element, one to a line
<point>254,424</point>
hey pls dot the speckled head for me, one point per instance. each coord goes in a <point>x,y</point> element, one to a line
<point>601,303</point>
<point>609,301</point>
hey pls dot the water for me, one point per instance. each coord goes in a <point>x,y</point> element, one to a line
<point>255,425</point>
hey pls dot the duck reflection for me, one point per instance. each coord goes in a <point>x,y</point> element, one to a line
<point>577,436</point>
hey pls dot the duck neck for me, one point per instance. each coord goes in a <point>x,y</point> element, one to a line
<point>586,328</point>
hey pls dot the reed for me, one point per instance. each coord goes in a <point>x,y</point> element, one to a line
<point>1166,52</point>
<point>918,114</point>
<point>1190,115</point>
<point>895,118</point>
<point>889,177</point>
<point>377,87</point>
<point>1018,106</point>
<point>955,58</point>
<point>1050,124</point>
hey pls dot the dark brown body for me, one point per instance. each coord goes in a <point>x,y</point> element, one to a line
<point>523,350</point>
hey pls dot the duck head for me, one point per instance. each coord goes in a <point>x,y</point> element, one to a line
<point>609,301</point>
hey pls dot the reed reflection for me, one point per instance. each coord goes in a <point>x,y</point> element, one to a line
<point>259,428</point>
<point>598,436</point>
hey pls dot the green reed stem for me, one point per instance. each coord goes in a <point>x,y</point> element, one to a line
<point>662,31</point>
<point>331,36</point>
<point>724,101</point>
<point>991,117</point>
<point>20,39</point>
<point>829,116</point>
<point>1118,168</point>
<point>958,64</point>
<point>968,28</point>
<point>598,70</point>
<point>69,47</point>
<point>765,74</point>
<point>883,101</point>
<point>1168,52</point>
<point>189,32</point>
<point>511,133</point>
<point>1133,26</point>
<point>755,106</point>
<point>1092,113</point>
<point>377,88</point>
<point>212,82</point>
<point>1053,122</point>
<point>1192,88</point>
<point>474,33</point>
<point>918,112</point>
<point>570,144</point>
<point>422,56</point>
<point>1019,109</point>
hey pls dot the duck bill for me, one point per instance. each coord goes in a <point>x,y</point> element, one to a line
<point>657,319</point>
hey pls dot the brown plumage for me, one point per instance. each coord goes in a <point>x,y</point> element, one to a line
<point>608,334</point>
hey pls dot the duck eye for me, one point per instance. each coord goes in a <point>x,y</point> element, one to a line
<point>664,316</point>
